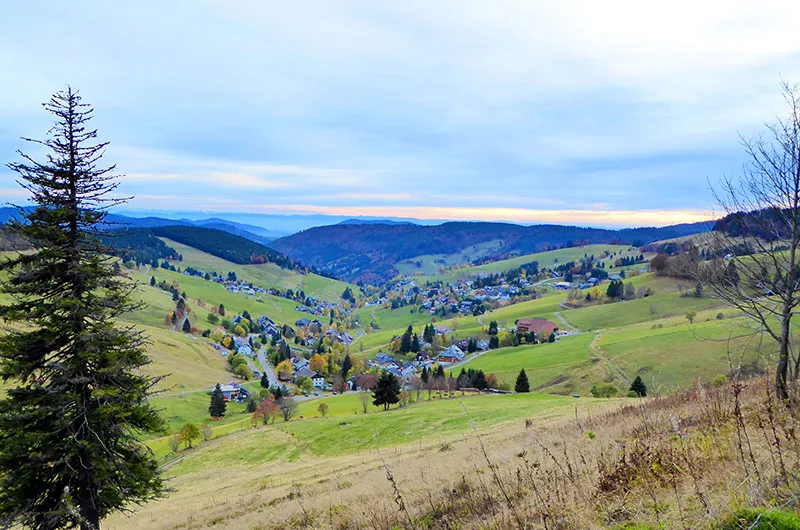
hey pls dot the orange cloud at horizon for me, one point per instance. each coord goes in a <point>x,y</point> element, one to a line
<point>621,218</point>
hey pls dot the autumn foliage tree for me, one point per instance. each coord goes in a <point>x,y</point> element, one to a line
<point>266,411</point>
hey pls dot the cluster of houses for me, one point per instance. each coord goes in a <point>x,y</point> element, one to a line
<point>453,354</point>
<point>333,334</point>
<point>457,297</point>
<point>320,307</point>
<point>302,369</point>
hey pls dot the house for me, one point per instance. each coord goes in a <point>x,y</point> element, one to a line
<point>540,326</point>
<point>268,327</point>
<point>234,392</point>
<point>318,380</point>
<point>408,372</point>
<point>302,322</point>
<point>301,363</point>
<point>442,330</point>
<point>383,358</point>
<point>452,355</point>
<point>243,346</point>
<point>304,372</point>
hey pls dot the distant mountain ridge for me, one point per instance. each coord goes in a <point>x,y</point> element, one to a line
<point>369,252</point>
<point>389,222</point>
<point>118,221</point>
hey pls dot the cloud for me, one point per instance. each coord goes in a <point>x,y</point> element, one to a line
<point>478,107</point>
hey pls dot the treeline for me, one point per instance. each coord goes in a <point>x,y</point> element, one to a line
<point>137,245</point>
<point>227,246</point>
<point>769,224</point>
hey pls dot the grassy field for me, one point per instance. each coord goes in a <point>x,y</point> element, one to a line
<point>388,318</point>
<point>543,363</point>
<point>546,259</point>
<point>430,264</point>
<point>679,355</point>
<point>184,360</point>
<point>636,311</point>
<point>462,326</point>
<point>345,432</point>
<point>210,294</point>
<point>266,275</point>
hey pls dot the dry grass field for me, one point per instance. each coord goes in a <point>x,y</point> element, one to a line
<point>701,459</point>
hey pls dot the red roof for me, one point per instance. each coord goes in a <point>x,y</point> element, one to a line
<point>537,325</point>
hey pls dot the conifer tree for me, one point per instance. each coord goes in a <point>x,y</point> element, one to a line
<point>387,390</point>
<point>152,281</point>
<point>76,406</point>
<point>187,327</point>
<point>639,387</point>
<point>217,407</point>
<point>522,384</point>
<point>347,364</point>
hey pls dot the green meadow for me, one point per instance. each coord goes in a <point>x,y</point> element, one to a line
<point>543,363</point>
<point>344,432</point>
<point>266,275</point>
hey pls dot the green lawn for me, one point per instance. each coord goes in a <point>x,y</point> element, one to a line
<point>463,326</point>
<point>438,418</point>
<point>543,363</point>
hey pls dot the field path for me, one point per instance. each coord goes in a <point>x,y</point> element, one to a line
<point>565,323</point>
<point>594,348</point>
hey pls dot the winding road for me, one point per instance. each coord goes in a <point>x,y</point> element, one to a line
<point>267,368</point>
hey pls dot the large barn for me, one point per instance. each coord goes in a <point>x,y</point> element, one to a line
<point>540,326</point>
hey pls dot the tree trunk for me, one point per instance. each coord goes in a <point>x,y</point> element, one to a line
<point>781,388</point>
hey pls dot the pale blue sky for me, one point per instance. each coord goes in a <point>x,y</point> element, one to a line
<point>585,112</point>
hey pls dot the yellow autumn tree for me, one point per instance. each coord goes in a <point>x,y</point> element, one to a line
<point>318,364</point>
<point>285,370</point>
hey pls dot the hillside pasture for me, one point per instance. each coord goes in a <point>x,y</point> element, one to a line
<point>544,364</point>
<point>679,355</point>
<point>617,314</point>
<point>266,275</point>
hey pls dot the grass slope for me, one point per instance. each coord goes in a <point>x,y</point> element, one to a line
<point>544,364</point>
<point>266,275</point>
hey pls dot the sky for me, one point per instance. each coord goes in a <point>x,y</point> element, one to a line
<point>589,113</point>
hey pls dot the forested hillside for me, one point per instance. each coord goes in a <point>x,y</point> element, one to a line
<point>369,252</point>
<point>140,246</point>
<point>225,245</point>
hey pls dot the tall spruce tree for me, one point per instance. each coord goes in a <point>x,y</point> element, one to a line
<point>522,384</point>
<point>387,390</point>
<point>217,407</point>
<point>76,405</point>
<point>347,364</point>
